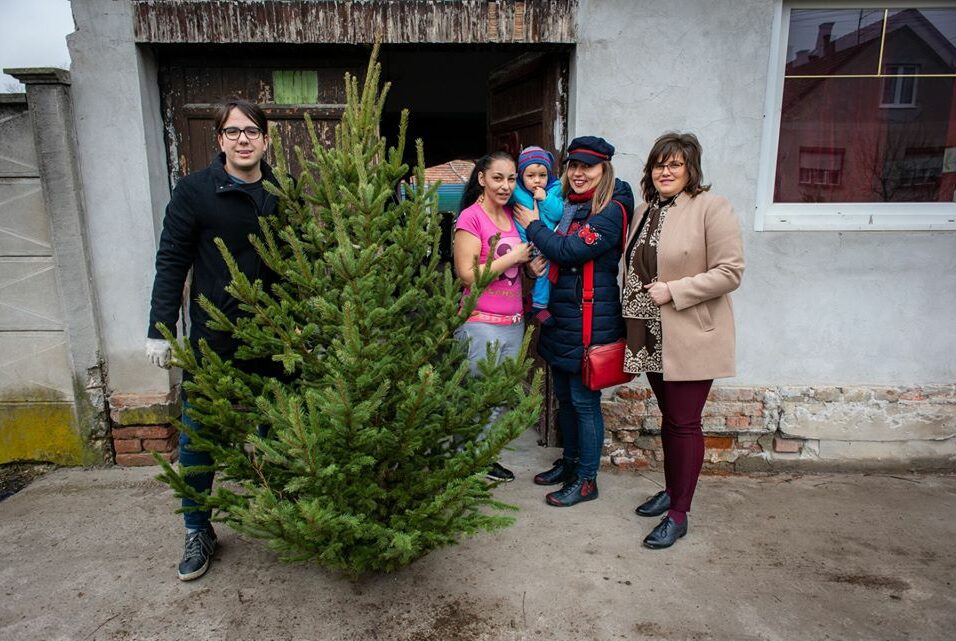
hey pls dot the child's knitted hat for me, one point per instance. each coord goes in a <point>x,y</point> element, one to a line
<point>536,156</point>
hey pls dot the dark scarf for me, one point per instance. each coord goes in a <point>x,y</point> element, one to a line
<point>575,197</point>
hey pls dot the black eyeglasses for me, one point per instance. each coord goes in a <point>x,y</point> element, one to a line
<point>232,133</point>
<point>674,167</point>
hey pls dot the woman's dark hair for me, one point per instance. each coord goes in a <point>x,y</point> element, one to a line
<point>250,110</point>
<point>473,188</point>
<point>670,145</point>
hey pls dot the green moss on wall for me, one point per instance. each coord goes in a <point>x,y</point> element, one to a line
<point>147,415</point>
<point>40,432</point>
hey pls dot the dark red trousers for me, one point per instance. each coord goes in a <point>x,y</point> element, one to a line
<point>681,403</point>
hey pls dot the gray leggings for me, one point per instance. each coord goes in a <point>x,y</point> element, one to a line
<point>478,336</point>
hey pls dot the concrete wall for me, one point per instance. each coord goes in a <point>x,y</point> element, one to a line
<point>36,389</point>
<point>122,160</point>
<point>52,403</point>
<point>830,308</point>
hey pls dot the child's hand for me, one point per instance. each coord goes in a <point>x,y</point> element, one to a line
<point>521,253</point>
<point>539,193</point>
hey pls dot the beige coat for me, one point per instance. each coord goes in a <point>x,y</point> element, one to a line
<point>701,258</point>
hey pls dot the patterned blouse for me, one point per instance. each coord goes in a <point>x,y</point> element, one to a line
<point>642,316</point>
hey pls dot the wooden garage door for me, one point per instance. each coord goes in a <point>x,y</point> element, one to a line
<point>192,82</point>
<point>527,105</point>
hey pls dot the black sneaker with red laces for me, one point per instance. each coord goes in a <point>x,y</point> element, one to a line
<point>575,491</point>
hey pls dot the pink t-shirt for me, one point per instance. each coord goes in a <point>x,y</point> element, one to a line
<point>503,295</point>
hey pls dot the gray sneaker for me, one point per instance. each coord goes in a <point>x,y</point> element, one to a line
<point>200,548</point>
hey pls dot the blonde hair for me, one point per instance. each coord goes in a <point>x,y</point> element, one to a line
<point>603,192</point>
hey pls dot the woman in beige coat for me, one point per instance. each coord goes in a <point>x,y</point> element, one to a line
<point>682,261</point>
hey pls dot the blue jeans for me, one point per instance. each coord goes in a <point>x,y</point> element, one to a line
<point>580,422</point>
<point>201,482</point>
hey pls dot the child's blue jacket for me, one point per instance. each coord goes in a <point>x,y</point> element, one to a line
<point>550,209</point>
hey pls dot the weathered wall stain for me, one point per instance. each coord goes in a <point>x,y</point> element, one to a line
<point>354,21</point>
<point>748,429</point>
<point>40,432</point>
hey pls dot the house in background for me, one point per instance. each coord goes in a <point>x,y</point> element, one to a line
<point>451,178</point>
<point>889,87</point>
<point>829,127</point>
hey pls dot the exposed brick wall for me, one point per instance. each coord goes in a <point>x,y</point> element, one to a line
<point>765,428</point>
<point>143,425</point>
<point>134,444</point>
<point>746,429</point>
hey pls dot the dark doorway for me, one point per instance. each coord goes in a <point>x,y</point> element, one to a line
<point>464,100</point>
<point>446,91</point>
<point>467,101</point>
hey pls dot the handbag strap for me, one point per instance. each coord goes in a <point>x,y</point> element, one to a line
<point>587,292</point>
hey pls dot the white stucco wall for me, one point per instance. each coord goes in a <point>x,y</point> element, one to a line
<point>122,163</point>
<point>814,307</point>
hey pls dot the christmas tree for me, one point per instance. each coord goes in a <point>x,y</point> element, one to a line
<point>367,454</point>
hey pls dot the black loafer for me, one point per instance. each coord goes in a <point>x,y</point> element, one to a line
<point>656,505</point>
<point>665,534</point>
<point>561,472</point>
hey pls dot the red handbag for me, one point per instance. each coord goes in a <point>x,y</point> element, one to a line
<point>601,365</point>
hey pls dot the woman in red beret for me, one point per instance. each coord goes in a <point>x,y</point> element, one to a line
<point>598,208</point>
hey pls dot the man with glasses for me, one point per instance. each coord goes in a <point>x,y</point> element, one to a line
<point>224,200</point>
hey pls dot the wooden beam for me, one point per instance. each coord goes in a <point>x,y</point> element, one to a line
<point>355,21</point>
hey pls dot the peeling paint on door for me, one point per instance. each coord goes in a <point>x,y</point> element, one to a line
<point>355,21</point>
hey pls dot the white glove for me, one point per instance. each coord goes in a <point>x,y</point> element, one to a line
<point>158,352</point>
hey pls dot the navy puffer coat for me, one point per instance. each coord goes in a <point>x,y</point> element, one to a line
<point>591,237</point>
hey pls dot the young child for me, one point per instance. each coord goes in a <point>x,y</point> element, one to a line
<point>537,183</point>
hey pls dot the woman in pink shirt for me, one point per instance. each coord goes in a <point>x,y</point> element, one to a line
<point>498,316</point>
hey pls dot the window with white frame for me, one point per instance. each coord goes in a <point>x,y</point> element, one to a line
<point>862,114</point>
<point>821,166</point>
<point>899,85</point>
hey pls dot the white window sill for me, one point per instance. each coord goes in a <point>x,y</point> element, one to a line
<point>857,217</point>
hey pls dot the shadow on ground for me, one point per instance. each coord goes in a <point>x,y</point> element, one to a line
<point>16,476</point>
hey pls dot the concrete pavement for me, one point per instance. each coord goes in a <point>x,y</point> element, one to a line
<point>90,555</point>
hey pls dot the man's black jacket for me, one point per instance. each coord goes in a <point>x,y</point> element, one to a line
<point>207,204</point>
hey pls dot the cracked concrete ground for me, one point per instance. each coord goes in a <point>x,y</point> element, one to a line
<point>90,555</point>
